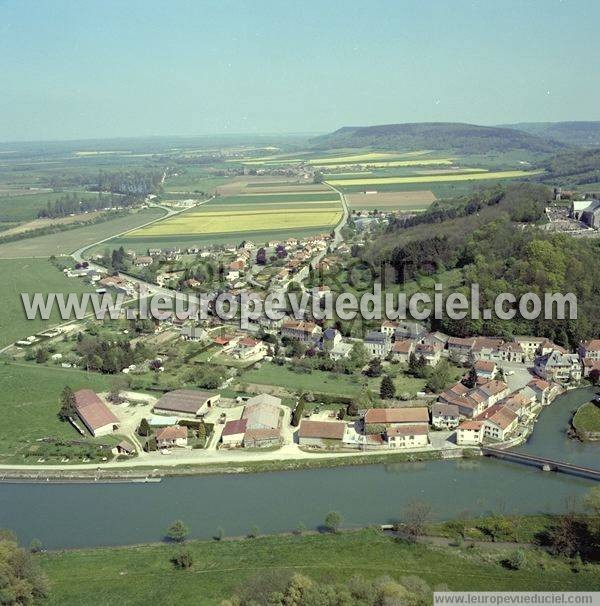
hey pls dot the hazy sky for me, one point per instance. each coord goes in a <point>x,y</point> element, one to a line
<point>106,68</point>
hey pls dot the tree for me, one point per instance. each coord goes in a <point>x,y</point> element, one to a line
<point>415,516</point>
<point>333,521</point>
<point>41,355</point>
<point>178,531</point>
<point>117,385</point>
<point>359,355</point>
<point>253,532</point>
<point>439,378</point>
<point>144,429</point>
<point>297,414</point>
<point>21,580</point>
<point>470,380</point>
<point>67,404</point>
<point>261,256</point>
<point>374,369</point>
<point>219,534</point>
<point>183,560</point>
<point>387,389</point>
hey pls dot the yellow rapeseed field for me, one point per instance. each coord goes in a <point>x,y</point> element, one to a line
<point>506,174</point>
<point>198,222</point>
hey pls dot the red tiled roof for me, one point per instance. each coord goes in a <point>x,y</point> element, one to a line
<point>235,427</point>
<point>329,430</point>
<point>397,415</point>
<point>173,432</point>
<point>92,410</point>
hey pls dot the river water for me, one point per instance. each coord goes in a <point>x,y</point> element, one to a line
<point>82,515</point>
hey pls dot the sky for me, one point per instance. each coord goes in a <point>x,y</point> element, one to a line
<point>82,69</point>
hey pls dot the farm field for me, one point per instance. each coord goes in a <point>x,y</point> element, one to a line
<point>30,402</point>
<point>393,200</point>
<point>268,184</point>
<point>145,573</point>
<point>65,242</point>
<point>235,218</point>
<point>19,205</point>
<point>507,174</point>
<point>30,276</point>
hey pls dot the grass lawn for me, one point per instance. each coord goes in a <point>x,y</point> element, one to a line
<point>65,242</point>
<point>137,575</point>
<point>30,402</point>
<point>29,276</point>
<point>317,381</point>
<point>587,418</point>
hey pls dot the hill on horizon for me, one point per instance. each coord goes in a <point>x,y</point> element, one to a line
<point>465,138</point>
<point>580,133</point>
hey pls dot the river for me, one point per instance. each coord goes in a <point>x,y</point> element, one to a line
<point>87,515</point>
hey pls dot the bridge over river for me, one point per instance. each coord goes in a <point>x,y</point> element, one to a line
<point>545,464</point>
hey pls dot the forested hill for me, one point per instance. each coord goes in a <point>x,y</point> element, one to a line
<point>576,167</point>
<point>493,239</point>
<point>464,138</point>
<point>581,134</point>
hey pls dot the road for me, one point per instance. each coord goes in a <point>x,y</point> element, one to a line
<point>337,230</point>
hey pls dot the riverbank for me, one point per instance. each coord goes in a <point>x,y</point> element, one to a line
<point>136,575</point>
<point>586,423</point>
<point>152,473</point>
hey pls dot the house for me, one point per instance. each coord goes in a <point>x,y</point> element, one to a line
<point>589,353</point>
<point>303,331</point>
<point>377,344</point>
<point>461,348</point>
<point>418,415</point>
<point>94,413</point>
<point>341,351</point>
<point>485,368</point>
<point>530,346</point>
<point>125,448</point>
<point>472,402</point>
<point>402,349</point>
<point>407,436</point>
<point>558,366</point>
<point>261,438</point>
<point>586,211</point>
<point>249,348</point>
<point>444,416</point>
<point>174,435</point>
<point>186,402</point>
<point>436,338</point>
<point>519,402</point>
<point>233,433</point>
<point>193,333</point>
<point>388,328</point>
<point>143,261</point>
<point>407,329</point>
<point>498,421</point>
<point>511,352</point>
<point>321,433</point>
<point>544,391</point>
<point>430,353</point>
<point>469,433</point>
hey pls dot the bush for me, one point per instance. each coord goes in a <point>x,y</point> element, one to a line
<point>333,521</point>
<point>178,531</point>
<point>516,560</point>
<point>183,560</point>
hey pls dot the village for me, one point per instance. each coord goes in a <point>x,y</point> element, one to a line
<point>185,395</point>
